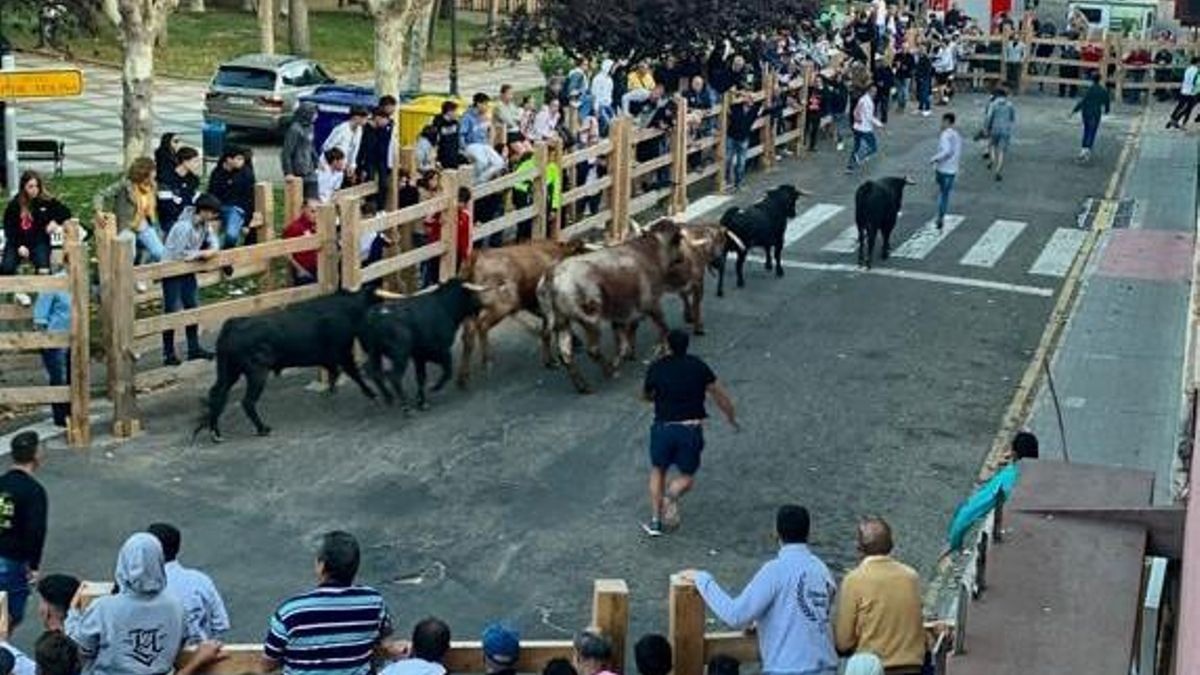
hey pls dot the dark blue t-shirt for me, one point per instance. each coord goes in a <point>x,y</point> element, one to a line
<point>677,384</point>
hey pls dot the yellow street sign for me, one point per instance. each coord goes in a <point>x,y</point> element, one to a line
<point>50,83</point>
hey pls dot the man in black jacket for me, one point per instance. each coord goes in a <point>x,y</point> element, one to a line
<point>374,162</point>
<point>742,114</point>
<point>177,189</point>
<point>22,523</point>
<point>232,182</point>
<point>446,127</point>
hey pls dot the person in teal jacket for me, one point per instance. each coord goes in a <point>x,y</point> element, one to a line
<point>986,497</point>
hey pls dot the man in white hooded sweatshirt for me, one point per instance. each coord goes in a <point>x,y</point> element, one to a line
<point>602,94</point>
<point>139,630</point>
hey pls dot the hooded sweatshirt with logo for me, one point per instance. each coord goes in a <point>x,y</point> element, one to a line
<point>140,629</point>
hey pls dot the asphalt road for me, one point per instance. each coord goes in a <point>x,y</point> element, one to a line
<point>859,393</point>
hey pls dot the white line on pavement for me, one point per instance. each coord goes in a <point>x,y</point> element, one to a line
<point>1059,252</point>
<point>704,205</point>
<point>845,242</point>
<point>994,242</point>
<point>920,276</point>
<point>811,219</point>
<point>923,241</point>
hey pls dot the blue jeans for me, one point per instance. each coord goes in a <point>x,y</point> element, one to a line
<point>840,126</point>
<point>149,239</point>
<point>863,140</point>
<point>735,160</point>
<point>945,183</point>
<point>1091,125</point>
<point>14,580</point>
<point>901,92</point>
<point>233,218</point>
<point>180,293</point>
<point>924,90</point>
<point>429,268</point>
<point>57,363</point>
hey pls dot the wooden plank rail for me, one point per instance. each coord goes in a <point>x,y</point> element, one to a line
<point>217,313</point>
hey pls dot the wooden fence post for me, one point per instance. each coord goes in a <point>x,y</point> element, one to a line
<point>719,148</point>
<point>449,262</point>
<point>610,615</point>
<point>79,429</point>
<point>767,137</point>
<point>686,628</point>
<point>402,235</point>
<point>327,255</point>
<point>802,113</point>
<point>679,156</point>
<point>264,205</point>
<point>122,312</point>
<point>104,226</point>
<point>350,211</point>
<point>541,206</point>
<point>293,198</point>
<point>619,167</point>
<point>1027,40</point>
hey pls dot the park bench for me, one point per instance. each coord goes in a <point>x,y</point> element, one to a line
<point>42,150</point>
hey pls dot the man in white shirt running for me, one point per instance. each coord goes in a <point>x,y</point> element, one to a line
<point>865,124</point>
<point>1187,96</point>
<point>945,164</point>
<point>205,610</point>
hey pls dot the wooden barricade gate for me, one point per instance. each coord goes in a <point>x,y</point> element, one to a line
<point>123,329</point>
<point>75,283</point>
<point>610,617</point>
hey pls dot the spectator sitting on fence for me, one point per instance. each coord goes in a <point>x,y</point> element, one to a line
<point>723,664</point>
<point>602,94</point>
<point>348,137</point>
<point>331,174</point>
<point>652,655</point>
<point>298,157</point>
<point>445,126</point>
<point>476,133</point>
<point>191,238</point>
<point>303,264</point>
<point>879,605</point>
<point>52,314</point>
<point>202,604</point>
<point>501,650</point>
<point>55,654</point>
<point>55,593</point>
<point>141,609</point>
<point>29,219</point>
<point>639,85</point>
<point>985,498</point>
<point>337,626</point>
<point>178,187</point>
<point>593,652</point>
<point>232,184</point>
<point>793,627</point>
<point>24,535</point>
<point>427,651</point>
<point>545,124</point>
<point>559,666</point>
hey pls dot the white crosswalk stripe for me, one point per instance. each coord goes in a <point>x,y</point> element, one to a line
<point>923,241</point>
<point>812,218</point>
<point>994,242</point>
<point>1058,254</point>
<point>845,242</point>
<point>705,205</point>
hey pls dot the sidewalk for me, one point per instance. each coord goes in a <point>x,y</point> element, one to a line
<point>1118,369</point>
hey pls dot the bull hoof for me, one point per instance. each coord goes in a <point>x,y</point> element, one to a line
<point>779,271</point>
<point>767,265</point>
<point>741,283</point>
<point>461,382</point>
<point>263,431</point>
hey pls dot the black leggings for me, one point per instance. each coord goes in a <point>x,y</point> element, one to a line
<point>39,256</point>
<point>812,127</point>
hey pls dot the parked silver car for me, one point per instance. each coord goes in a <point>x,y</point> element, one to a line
<point>260,91</point>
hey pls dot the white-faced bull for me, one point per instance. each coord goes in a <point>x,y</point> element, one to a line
<point>762,224</point>
<point>877,205</point>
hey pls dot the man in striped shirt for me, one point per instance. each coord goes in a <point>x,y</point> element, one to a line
<point>337,627</point>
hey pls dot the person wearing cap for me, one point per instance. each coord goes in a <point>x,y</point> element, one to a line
<point>475,133</point>
<point>501,649</point>
<point>678,384</point>
<point>55,593</point>
<point>347,137</point>
<point>23,530</point>
<point>988,496</point>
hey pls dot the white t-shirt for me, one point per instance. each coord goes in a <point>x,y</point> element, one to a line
<point>864,114</point>
<point>328,182</point>
<point>1189,81</point>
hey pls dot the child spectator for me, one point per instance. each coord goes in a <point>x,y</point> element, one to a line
<point>303,264</point>
<point>55,593</point>
<point>177,188</point>
<point>52,314</point>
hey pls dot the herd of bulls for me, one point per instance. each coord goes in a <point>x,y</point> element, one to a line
<point>568,285</point>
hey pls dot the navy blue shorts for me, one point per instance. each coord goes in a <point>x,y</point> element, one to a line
<point>676,444</point>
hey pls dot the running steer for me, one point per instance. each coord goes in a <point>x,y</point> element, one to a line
<point>702,251</point>
<point>508,277</point>
<point>876,207</point>
<point>318,332</point>
<point>421,328</point>
<point>619,285</point>
<point>762,224</point>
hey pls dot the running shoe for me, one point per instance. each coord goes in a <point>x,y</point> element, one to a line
<point>653,527</point>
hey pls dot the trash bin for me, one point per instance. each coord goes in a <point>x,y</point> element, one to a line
<point>420,111</point>
<point>212,136</point>
<point>333,102</point>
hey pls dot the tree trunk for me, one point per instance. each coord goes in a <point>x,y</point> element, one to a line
<point>266,26</point>
<point>493,20</point>
<point>195,6</point>
<point>249,6</point>
<point>389,51</point>
<point>298,27</point>
<point>418,46</point>
<point>137,86</point>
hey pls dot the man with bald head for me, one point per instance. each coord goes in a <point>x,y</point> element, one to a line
<point>879,605</point>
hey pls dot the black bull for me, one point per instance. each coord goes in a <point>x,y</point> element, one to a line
<point>761,224</point>
<point>877,205</point>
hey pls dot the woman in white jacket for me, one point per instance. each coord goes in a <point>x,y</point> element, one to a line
<point>602,94</point>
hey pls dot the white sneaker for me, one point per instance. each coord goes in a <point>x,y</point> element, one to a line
<point>141,286</point>
<point>841,146</point>
<point>22,299</point>
<point>924,113</point>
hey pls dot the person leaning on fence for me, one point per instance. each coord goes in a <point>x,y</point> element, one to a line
<point>232,184</point>
<point>985,498</point>
<point>207,618</point>
<point>191,238</point>
<point>331,175</point>
<point>476,138</point>
<point>427,650</point>
<point>789,600</point>
<point>303,264</point>
<point>55,593</point>
<point>52,314</point>
<point>501,650</point>
<point>879,604</point>
<point>30,218</point>
<point>23,530</point>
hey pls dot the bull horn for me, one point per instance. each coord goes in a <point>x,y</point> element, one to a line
<point>803,192</point>
<point>388,295</point>
<point>593,247</point>
<point>909,180</point>
<point>703,241</point>
<point>637,228</point>
<point>736,240</point>
<point>477,288</point>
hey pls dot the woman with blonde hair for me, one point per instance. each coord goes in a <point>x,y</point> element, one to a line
<point>136,209</point>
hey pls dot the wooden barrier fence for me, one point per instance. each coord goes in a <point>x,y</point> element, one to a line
<point>610,617</point>
<point>74,282</point>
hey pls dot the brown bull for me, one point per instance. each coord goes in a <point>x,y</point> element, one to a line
<point>618,285</point>
<point>702,250</point>
<point>509,277</point>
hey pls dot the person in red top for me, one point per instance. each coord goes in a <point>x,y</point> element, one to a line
<point>304,263</point>
<point>466,224</point>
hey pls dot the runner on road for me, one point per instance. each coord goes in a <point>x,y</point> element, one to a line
<point>945,164</point>
<point>1095,104</point>
<point>865,123</point>
<point>678,384</point>
<point>1187,96</point>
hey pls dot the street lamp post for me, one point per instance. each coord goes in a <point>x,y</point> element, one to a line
<point>453,47</point>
